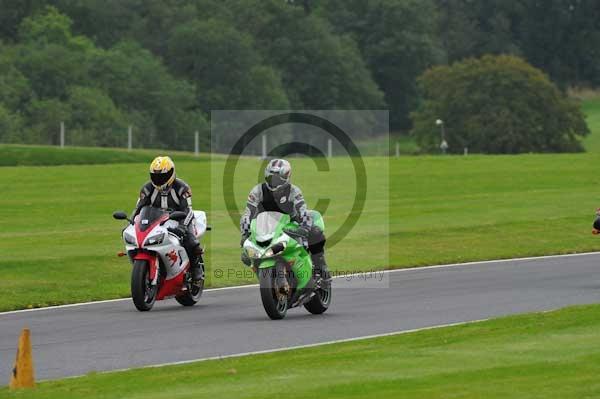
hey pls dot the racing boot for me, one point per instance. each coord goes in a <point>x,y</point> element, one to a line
<point>197,264</point>
<point>320,266</point>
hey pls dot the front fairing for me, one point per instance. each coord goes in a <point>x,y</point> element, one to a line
<point>171,254</point>
<point>130,232</point>
<point>294,254</point>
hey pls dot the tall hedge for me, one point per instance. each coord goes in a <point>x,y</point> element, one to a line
<point>496,104</point>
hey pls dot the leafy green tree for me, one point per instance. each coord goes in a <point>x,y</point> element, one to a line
<point>49,56</point>
<point>10,126</point>
<point>43,121</point>
<point>160,17</point>
<point>319,69</point>
<point>94,119</point>
<point>224,65</point>
<point>106,22</point>
<point>397,39</point>
<point>474,28</point>
<point>51,69</point>
<point>496,104</point>
<point>13,12</point>
<point>265,54</point>
<point>48,27</point>
<point>71,80</point>
<point>15,90</point>
<point>141,86</point>
<point>555,35</point>
<point>562,38</point>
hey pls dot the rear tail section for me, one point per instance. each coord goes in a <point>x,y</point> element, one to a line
<point>317,219</point>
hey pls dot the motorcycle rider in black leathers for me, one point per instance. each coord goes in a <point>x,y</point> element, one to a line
<point>167,192</point>
<point>277,194</point>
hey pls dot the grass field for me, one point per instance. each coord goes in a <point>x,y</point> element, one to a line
<point>59,242</point>
<point>548,355</point>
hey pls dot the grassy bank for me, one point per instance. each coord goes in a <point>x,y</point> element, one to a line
<point>26,155</point>
<point>549,355</point>
<point>59,242</point>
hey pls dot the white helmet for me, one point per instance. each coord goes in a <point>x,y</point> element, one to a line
<point>277,174</point>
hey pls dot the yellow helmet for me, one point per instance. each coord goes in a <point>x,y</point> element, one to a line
<point>162,173</point>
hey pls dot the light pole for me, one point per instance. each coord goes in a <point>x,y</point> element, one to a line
<point>444,143</point>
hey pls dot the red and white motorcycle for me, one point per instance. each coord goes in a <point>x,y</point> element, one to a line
<point>160,262</point>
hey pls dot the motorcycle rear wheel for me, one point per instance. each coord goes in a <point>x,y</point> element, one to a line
<point>142,293</point>
<point>192,295</point>
<point>275,308</point>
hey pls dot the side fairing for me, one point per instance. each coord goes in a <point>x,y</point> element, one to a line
<point>200,223</point>
<point>298,257</point>
<point>172,254</point>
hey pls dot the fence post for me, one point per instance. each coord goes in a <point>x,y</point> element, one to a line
<point>397,149</point>
<point>129,138</point>
<point>196,143</point>
<point>466,151</point>
<point>264,147</point>
<point>329,149</point>
<point>62,135</point>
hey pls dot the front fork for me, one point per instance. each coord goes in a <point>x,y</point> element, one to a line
<point>282,286</point>
<point>152,260</point>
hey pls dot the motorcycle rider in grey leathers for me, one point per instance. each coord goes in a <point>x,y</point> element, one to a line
<point>277,194</point>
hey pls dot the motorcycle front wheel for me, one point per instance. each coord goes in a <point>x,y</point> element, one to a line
<point>142,292</point>
<point>275,307</point>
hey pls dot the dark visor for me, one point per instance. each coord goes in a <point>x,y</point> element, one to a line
<point>161,178</point>
<point>275,181</point>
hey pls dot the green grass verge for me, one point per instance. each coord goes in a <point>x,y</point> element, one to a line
<point>547,355</point>
<point>591,108</point>
<point>22,155</point>
<point>58,240</point>
<point>33,155</point>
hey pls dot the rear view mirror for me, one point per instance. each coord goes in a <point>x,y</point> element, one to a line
<point>178,216</point>
<point>120,215</point>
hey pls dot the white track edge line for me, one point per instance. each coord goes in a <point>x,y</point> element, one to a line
<point>276,350</point>
<point>72,305</point>
<point>317,344</point>
<point>385,271</point>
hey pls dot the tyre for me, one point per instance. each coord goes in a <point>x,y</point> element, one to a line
<point>276,309</point>
<point>192,295</point>
<point>142,293</point>
<point>321,301</point>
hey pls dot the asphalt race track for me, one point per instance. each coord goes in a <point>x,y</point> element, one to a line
<point>113,335</point>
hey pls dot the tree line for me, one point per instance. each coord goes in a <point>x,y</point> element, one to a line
<point>163,65</point>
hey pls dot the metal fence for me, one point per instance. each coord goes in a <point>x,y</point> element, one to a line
<point>198,142</point>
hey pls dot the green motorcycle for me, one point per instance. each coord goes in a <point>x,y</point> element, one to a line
<point>284,267</point>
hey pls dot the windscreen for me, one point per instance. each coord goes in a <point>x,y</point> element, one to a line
<point>266,222</point>
<point>148,215</point>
